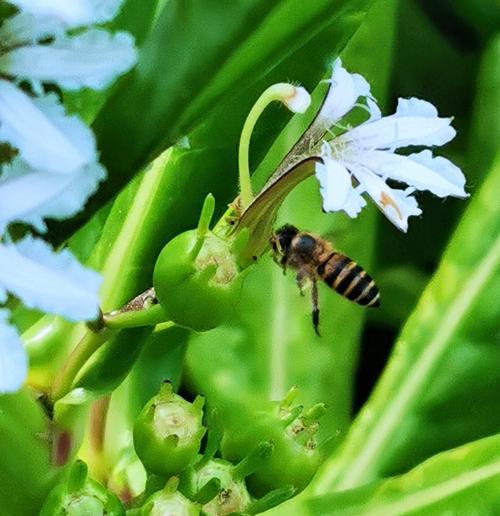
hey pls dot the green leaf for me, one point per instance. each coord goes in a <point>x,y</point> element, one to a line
<point>401,287</point>
<point>485,131</point>
<point>111,363</point>
<point>439,388</point>
<point>460,481</point>
<point>27,473</point>
<point>136,17</point>
<point>483,15</point>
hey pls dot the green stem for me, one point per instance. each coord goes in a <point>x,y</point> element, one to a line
<point>150,316</point>
<point>281,92</point>
<point>87,346</point>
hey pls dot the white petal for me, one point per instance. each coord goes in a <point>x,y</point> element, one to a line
<point>49,281</point>
<point>300,101</point>
<point>446,171</point>
<point>13,361</point>
<point>92,59</point>
<point>345,89</point>
<point>373,109</point>
<point>72,13</point>
<point>46,137</point>
<point>30,196</point>
<point>336,188</point>
<point>421,170</point>
<point>26,28</point>
<point>397,205</point>
<point>415,122</point>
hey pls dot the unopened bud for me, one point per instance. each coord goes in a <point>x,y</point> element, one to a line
<point>77,495</point>
<point>299,101</point>
<point>169,502</point>
<point>231,494</point>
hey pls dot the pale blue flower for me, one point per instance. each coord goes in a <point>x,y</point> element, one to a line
<point>47,138</point>
<point>38,19</point>
<point>362,158</point>
<point>48,281</point>
<point>57,167</point>
<point>45,280</point>
<point>92,59</point>
<point>46,194</point>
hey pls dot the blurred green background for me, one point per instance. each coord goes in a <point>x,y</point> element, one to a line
<point>438,327</point>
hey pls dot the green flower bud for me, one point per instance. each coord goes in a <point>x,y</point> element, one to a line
<point>168,432</point>
<point>228,492</point>
<point>169,502</point>
<point>292,431</point>
<point>78,495</point>
<point>197,277</point>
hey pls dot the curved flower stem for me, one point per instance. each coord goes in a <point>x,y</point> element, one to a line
<point>281,92</point>
<point>143,310</point>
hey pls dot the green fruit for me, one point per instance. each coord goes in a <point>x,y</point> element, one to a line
<point>169,502</point>
<point>229,493</point>
<point>196,290</point>
<point>168,432</point>
<point>295,457</point>
<point>78,495</point>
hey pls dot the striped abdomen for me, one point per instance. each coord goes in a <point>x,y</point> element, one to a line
<point>349,280</point>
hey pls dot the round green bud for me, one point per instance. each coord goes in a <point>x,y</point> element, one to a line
<point>295,457</point>
<point>231,495</point>
<point>168,432</point>
<point>85,505</point>
<point>196,280</point>
<point>78,495</point>
<point>169,502</point>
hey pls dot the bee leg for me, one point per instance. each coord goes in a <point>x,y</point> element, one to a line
<point>301,279</point>
<point>283,264</point>
<point>315,307</point>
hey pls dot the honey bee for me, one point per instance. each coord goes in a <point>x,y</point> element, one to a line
<point>313,257</point>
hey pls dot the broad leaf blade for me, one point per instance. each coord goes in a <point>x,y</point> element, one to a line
<point>460,481</point>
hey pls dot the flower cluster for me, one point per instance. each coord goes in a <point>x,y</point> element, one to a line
<point>52,165</point>
<point>361,159</point>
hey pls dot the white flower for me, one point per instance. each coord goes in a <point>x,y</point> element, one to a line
<point>345,89</point>
<point>92,59</point>
<point>45,136</point>
<point>299,101</point>
<point>49,142</point>
<point>41,18</point>
<point>48,281</point>
<point>57,167</point>
<point>46,194</point>
<point>364,156</point>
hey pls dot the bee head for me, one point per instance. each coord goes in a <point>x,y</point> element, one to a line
<point>282,239</point>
